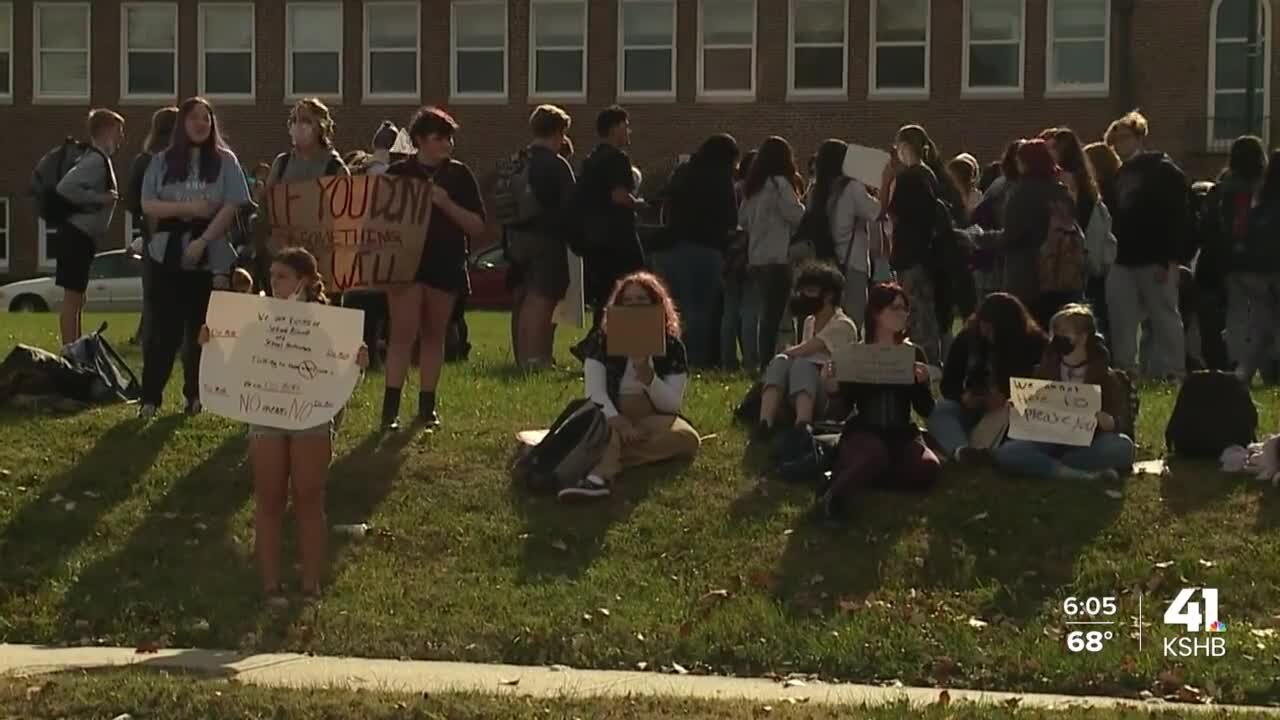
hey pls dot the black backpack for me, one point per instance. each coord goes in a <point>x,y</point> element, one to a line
<point>1213,412</point>
<point>333,167</point>
<point>114,378</point>
<point>52,207</point>
<point>573,446</point>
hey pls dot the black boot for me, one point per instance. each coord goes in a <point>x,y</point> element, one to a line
<point>391,409</point>
<point>427,410</point>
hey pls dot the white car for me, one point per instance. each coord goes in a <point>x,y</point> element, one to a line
<point>115,285</point>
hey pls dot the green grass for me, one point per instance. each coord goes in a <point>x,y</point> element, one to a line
<point>146,695</point>
<point>694,565</point>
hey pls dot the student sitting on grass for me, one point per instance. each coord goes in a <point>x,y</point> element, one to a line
<point>1000,341</point>
<point>797,374</point>
<point>881,445</point>
<point>297,460</point>
<point>641,396</point>
<point>1077,354</point>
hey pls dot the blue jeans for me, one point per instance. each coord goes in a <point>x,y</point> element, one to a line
<point>950,424</point>
<point>693,273</point>
<point>731,326</point>
<point>1109,451</point>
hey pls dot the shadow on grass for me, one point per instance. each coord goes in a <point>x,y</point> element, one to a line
<point>41,535</point>
<point>1191,486</point>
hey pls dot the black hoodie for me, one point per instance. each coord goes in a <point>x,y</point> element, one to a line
<point>1152,216</point>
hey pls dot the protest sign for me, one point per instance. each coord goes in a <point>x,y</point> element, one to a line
<point>636,331</point>
<point>366,231</point>
<point>1054,412</point>
<point>875,364</point>
<point>279,363</point>
<point>572,309</point>
<point>865,164</point>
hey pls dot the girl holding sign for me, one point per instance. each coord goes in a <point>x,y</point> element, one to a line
<point>1076,354</point>
<point>292,460</point>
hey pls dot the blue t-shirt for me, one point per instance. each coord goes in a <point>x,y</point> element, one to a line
<point>229,188</point>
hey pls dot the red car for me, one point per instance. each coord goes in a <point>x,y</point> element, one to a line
<point>489,280</point>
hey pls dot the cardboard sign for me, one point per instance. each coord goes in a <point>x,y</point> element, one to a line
<point>1054,412</point>
<point>279,363</point>
<point>366,231</point>
<point>572,310</point>
<point>865,164</point>
<point>875,364</point>
<point>636,331</point>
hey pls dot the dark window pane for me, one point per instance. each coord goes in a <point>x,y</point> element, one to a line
<point>900,68</point>
<point>1079,63</point>
<point>1231,119</point>
<point>819,68</point>
<point>151,74</point>
<point>316,73</point>
<point>393,72</point>
<point>4,74</point>
<point>480,72</point>
<point>647,71</point>
<point>558,71</point>
<point>1233,18</point>
<point>228,73</point>
<point>4,245</point>
<point>1232,66</point>
<point>727,69</point>
<point>993,66</point>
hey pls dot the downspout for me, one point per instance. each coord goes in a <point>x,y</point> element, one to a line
<point>1124,96</point>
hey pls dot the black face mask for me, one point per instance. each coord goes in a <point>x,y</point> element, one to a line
<point>802,306</point>
<point>1062,345</point>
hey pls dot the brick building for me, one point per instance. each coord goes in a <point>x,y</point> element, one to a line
<point>975,72</point>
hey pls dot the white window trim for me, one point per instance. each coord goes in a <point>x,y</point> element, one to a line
<point>392,98</point>
<point>921,93</point>
<point>290,96</point>
<point>1055,89</point>
<point>839,93</point>
<point>253,52</point>
<point>7,98</point>
<point>1215,144</point>
<point>669,95</point>
<point>36,95</point>
<point>479,97</point>
<point>730,95</point>
<point>536,96</point>
<point>8,231</point>
<point>970,91</point>
<point>45,261</point>
<point>129,230</point>
<point>125,95</point>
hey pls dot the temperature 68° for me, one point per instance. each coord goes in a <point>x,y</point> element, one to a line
<point>1090,641</point>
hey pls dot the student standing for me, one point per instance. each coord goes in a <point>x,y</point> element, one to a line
<point>311,154</point>
<point>1253,270</point>
<point>732,320</point>
<point>853,215</point>
<point>158,138</point>
<point>914,211</point>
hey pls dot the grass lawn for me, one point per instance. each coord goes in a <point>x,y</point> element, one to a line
<point>117,532</point>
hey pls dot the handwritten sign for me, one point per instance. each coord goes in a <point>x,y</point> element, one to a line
<point>279,363</point>
<point>366,231</point>
<point>865,164</point>
<point>875,364</point>
<point>636,331</point>
<point>1054,412</point>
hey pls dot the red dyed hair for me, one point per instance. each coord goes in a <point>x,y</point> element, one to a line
<point>879,297</point>
<point>1037,159</point>
<point>658,293</point>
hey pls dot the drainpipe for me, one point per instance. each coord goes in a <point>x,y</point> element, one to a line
<point>1123,83</point>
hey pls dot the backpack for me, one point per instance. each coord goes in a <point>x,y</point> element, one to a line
<point>803,458</point>
<point>1063,261</point>
<point>573,446</point>
<point>1213,412</point>
<point>28,370</point>
<point>514,202</point>
<point>815,227</point>
<point>52,207</point>
<point>113,375</point>
<point>333,167</point>
<point>1127,425</point>
<point>1100,243</point>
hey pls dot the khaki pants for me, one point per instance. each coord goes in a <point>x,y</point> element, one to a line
<point>666,437</point>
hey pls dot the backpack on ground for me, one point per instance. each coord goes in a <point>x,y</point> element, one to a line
<point>514,202</point>
<point>52,207</point>
<point>573,446</point>
<point>28,370</point>
<point>113,377</point>
<point>803,458</point>
<point>1127,425</point>
<point>1063,261</point>
<point>1213,412</point>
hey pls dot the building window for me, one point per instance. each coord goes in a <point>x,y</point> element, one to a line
<point>48,238</point>
<point>647,48</point>
<point>226,50</point>
<point>479,49</point>
<point>313,36</point>
<point>900,47</point>
<point>818,49</point>
<point>4,233</point>
<point>558,50</point>
<point>993,54</point>
<point>727,48</point>
<point>132,231</point>
<point>1239,74</point>
<point>391,50</point>
<point>150,56</point>
<point>6,53</point>
<point>1079,53</point>
<point>61,51</point>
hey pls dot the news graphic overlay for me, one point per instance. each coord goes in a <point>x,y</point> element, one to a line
<point>1092,623</point>
<point>1194,612</point>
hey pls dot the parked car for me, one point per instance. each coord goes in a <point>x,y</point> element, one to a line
<point>115,285</point>
<point>489,289</point>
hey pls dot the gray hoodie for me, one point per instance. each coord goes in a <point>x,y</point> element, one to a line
<point>83,187</point>
<point>770,218</point>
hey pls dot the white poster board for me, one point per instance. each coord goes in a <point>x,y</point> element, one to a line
<point>572,310</point>
<point>865,164</point>
<point>875,364</point>
<point>1053,412</point>
<point>279,363</point>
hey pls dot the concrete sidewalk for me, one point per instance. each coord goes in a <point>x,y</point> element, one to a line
<point>303,671</point>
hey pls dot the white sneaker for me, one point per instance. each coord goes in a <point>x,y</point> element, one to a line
<point>590,488</point>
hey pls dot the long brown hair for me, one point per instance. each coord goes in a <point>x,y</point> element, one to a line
<point>879,297</point>
<point>304,264</point>
<point>1071,159</point>
<point>774,158</point>
<point>658,294</point>
<point>161,133</point>
<point>1104,163</point>
<point>177,158</point>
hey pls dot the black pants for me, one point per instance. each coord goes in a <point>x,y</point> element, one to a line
<point>179,304</point>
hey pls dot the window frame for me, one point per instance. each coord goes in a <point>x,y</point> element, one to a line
<point>920,93</point>
<point>648,95</point>
<point>1052,88</point>
<point>125,95</point>
<point>38,97</point>
<point>290,95</point>
<point>1212,143</point>
<point>793,92</point>
<point>367,95</point>
<point>705,95</point>
<point>44,261</point>
<point>6,98</point>
<point>202,50</point>
<point>971,91</point>
<point>456,95</point>
<point>7,201</point>
<point>534,95</point>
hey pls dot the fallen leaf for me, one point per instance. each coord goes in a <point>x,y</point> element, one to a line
<point>200,625</point>
<point>848,606</point>
<point>679,669</point>
<point>979,517</point>
<point>788,531</point>
<point>603,611</point>
<point>510,683</point>
<point>90,494</point>
<point>1267,633</point>
<point>977,624</point>
<point>1114,494</point>
<point>796,700</point>
<point>560,545</point>
<point>640,637</point>
<point>817,580</point>
<point>123,716</point>
<point>714,595</point>
<point>944,698</point>
<point>794,682</point>
<point>642,666</point>
<point>586,617</point>
<point>560,668</point>
<point>69,505</point>
<point>1207,563</point>
<point>200,527</point>
<point>1164,564</point>
<point>943,667</point>
<point>767,708</point>
<point>522,536</point>
<point>148,647</point>
<point>1172,678</point>
<point>1189,694</point>
<point>1013,703</point>
<point>169,515</point>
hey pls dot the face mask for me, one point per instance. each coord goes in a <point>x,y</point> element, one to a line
<point>803,306</point>
<point>1062,345</point>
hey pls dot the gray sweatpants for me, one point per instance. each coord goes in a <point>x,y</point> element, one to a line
<point>1253,313</point>
<point>795,376</point>
<point>1134,296</point>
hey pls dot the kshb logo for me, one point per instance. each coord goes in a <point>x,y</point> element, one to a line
<point>1196,616</point>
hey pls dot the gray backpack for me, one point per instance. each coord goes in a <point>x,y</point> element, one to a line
<point>573,447</point>
<point>514,202</point>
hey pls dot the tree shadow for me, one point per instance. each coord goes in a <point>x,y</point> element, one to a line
<point>1189,486</point>
<point>361,479</point>
<point>42,535</point>
<point>1269,507</point>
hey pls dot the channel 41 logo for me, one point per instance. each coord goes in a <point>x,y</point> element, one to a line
<point>1195,616</point>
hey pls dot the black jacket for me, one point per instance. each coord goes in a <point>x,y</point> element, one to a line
<point>914,207</point>
<point>704,208</point>
<point>1152,215</point>
<point>973,364</point>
